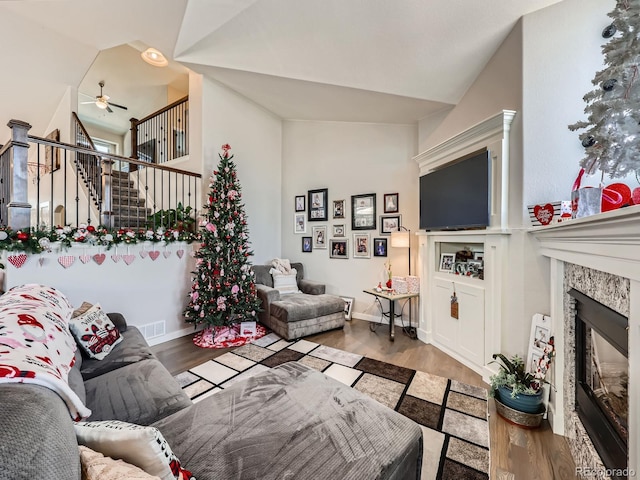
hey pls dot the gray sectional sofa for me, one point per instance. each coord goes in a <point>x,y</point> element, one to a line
<point>297,315</point>
<point>288,422</point>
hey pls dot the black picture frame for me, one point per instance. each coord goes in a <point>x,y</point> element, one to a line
<point>379,247</point>
<point>391,203</point>
<point>339,248</point>
<point>363,211</point>
<point>307,244</point>
<point>318,205</point>
<point>390,223</point>
<point>299,203</point>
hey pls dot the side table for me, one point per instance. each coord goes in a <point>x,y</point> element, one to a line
<point>391,297</point>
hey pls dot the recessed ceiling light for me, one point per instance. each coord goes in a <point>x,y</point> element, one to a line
<point>154,57</point>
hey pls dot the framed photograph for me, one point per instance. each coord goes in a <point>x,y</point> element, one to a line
<point>338,230</point>
<point>348,307</point>
<point>339,248</point>
<point>300,203</point>
<point>338,209</point>
<point>389,223</point>
<point>306,244</point>
<point>363,212</point>
<point>361,245</point>
<point>52,154</point>
<point>390,203</point>
<point>319,237</point>
<point>379,247</point>
<point>318,200</point>
<point>447,262</point>
<point>479,256</point>
<point>299,223</point>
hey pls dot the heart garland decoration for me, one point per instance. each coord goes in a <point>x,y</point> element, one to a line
<point>154,254</point>
<point>180,253</point>
<point>17,260</point>
<point>66,260</point>
<point>42,261</point>
<point>116,258</point>
<point>166,254</point>
<point>85,258</point>
<point>143,254</point>
<point>99,258</point>
<point>128,259</point>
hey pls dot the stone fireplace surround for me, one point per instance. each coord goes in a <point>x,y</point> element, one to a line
<point>599,256</point>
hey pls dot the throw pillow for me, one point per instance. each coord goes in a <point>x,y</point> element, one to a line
<point>95,332</point>
<point>81,309</point>
<point>96,466</point>
<point>285,283</point>
<point>144,447</point>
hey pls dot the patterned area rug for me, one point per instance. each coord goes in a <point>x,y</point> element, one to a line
<point>453,415</point>
<point>226,337</point>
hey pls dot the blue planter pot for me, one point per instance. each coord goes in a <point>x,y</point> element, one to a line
<point>521,402</point>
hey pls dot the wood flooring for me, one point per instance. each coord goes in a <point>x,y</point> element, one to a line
<point>516,453</point>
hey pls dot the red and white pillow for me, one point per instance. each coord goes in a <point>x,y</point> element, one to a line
<point>95,332</point>
<point>144,447</point>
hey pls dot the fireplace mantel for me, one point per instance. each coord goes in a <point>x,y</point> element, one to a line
<point>608,242</point>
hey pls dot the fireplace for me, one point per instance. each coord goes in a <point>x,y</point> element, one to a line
<point>602,376</point>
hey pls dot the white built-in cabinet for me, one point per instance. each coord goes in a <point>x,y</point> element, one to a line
<point>475,335</point>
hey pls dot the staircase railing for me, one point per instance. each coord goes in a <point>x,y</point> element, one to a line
<point>88,164</point>
<point>163,135</point>
<point>123,200</point>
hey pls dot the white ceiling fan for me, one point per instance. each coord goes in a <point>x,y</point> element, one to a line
<point>102,100</point>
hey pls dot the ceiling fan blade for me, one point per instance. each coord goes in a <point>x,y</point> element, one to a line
<point>118,106</point>
<point>109,110</point>
<point>86,103</point>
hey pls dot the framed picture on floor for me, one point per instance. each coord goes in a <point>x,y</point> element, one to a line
<point>348,307</point>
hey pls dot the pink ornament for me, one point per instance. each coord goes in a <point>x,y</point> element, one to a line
<point>211,227</point>
<point>235,289</point>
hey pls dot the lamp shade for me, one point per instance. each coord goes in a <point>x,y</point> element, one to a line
<point>400,239</point>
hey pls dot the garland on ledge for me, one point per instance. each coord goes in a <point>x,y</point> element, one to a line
<point>34,240</point>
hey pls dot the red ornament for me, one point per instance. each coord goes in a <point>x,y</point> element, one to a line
<point>91,228</point>
<point>615,196</point>
<point>23,236</point>
<point>389,283</point>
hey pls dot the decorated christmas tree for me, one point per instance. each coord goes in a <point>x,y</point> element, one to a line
<point>223,290</point>
<point>611,135</point>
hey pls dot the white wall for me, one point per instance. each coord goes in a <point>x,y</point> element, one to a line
<point>146,291</point>
<point>349,159</point>
<point>255,136</point>
<point>561,54</point>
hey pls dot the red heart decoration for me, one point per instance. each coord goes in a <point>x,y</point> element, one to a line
<point>99,258</point>
<point>636,196</point>
<point>154,254</point>
<point>615,196</point>
<point>17,260</point>
<point>544,213</point>
<point>66,260</point>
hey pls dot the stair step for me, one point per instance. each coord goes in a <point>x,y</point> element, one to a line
<point>132,201</point>
<point>124,211</point>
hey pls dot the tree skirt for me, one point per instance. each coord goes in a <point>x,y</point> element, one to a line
<point>226,336</point>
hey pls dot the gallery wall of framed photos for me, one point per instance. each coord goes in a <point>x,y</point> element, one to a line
<point>360,213</point>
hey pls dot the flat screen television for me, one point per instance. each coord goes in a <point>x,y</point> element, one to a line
<point>458,195</point>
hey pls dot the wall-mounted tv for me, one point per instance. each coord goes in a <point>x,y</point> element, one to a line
<point>458,195</point>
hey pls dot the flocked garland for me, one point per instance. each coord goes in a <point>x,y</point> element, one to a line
<point>39,240</point>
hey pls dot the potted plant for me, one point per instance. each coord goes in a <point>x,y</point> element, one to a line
<point>514,386</point>
<point>179,218</point>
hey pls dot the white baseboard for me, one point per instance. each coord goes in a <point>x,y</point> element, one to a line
<point>173,335</point>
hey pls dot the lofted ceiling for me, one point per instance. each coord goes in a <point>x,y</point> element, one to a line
<point>342,60</point>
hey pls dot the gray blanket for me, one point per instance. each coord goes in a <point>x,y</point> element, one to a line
<point>293,422</point>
